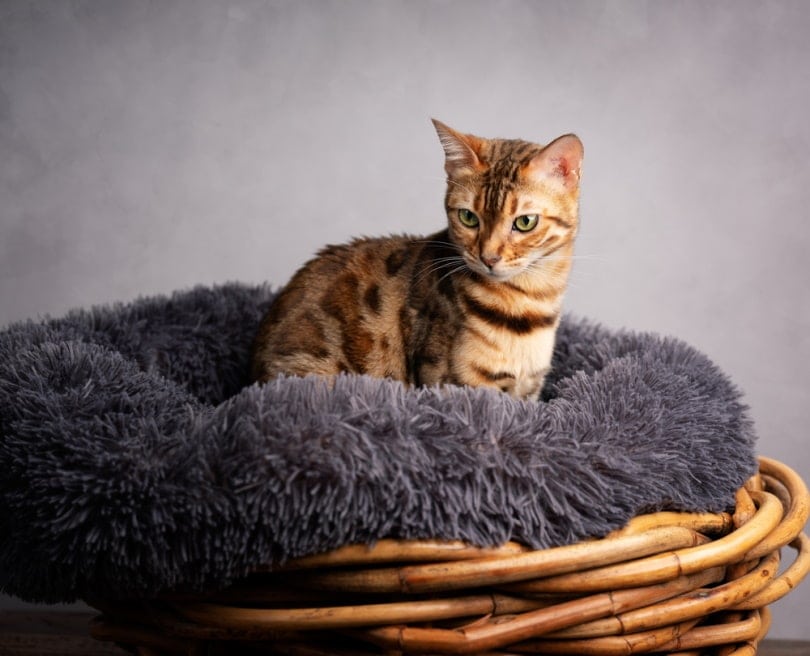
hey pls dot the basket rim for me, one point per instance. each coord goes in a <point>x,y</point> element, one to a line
<point>582,599</point>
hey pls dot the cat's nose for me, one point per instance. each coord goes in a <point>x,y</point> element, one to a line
<point>490,260</point>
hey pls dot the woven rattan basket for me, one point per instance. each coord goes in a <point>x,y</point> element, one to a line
<point>667,583</point>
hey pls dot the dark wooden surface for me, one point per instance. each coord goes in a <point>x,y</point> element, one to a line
<point>50,634</point>
<point>32,633</point>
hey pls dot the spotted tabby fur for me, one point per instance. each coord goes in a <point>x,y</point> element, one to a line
<point>475,304</point>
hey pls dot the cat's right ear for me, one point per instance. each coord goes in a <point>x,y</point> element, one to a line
<point>460,151</point>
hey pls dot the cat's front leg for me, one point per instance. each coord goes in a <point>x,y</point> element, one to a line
<point>478,368</point>
<point>479,371</point>
<point>528,386</point>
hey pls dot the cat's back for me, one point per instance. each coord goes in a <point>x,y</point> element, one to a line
<point>342,311</point>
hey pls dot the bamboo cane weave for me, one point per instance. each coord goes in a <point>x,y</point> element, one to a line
<point>676,583</point>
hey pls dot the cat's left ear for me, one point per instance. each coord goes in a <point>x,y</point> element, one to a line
<point>560,161</point>
<point>460,151</point>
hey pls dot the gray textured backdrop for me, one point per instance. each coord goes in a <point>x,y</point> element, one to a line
<point>149,146</point>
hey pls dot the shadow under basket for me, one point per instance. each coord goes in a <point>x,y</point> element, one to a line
<point>676,583</point>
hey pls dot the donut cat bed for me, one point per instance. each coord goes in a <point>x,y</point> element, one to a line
<point>138,472</point>
<point>134,461</point>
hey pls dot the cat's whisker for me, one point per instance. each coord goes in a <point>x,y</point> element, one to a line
<point>432,270</point>
<point>459,268</point>
<point>433,273</point>
<point>437,265</point>
<point>446,258</point>
<point>543,266</point>
<point>590,256</point>
<point>549,275</point>
<point>436,242</point>
<point>579,271</point>
<point>458,184</point>
<point>559,258</point>
<point>449,263</point>
<point>449,181</point>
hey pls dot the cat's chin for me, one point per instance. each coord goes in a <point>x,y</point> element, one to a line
<point>501,276</point>
<point>496,275</point>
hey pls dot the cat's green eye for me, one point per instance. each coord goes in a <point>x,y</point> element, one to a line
<point>526,222</point>
<point>467,218</point>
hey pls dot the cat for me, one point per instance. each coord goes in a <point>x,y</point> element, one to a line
<point>476,304</point>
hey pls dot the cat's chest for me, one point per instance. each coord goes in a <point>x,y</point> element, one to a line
<point>524,356</point>
<point>507,337</point>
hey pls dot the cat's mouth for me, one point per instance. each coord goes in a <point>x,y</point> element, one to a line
<point>498,272</point>
<point>500,276</point>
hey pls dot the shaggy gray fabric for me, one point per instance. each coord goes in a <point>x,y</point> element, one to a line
<point>132,460</point>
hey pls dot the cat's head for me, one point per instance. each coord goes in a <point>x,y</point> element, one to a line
<point>511,205</point>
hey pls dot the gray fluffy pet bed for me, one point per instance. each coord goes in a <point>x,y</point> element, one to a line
<point>133,460</point>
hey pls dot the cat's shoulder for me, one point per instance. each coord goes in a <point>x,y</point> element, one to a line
<point>384,244</point>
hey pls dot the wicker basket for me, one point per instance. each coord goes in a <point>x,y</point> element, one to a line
<point>667,583</point>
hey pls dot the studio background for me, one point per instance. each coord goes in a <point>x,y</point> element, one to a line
<point>151,146</point>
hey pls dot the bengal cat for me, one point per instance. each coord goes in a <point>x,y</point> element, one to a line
<point>475,304</point>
